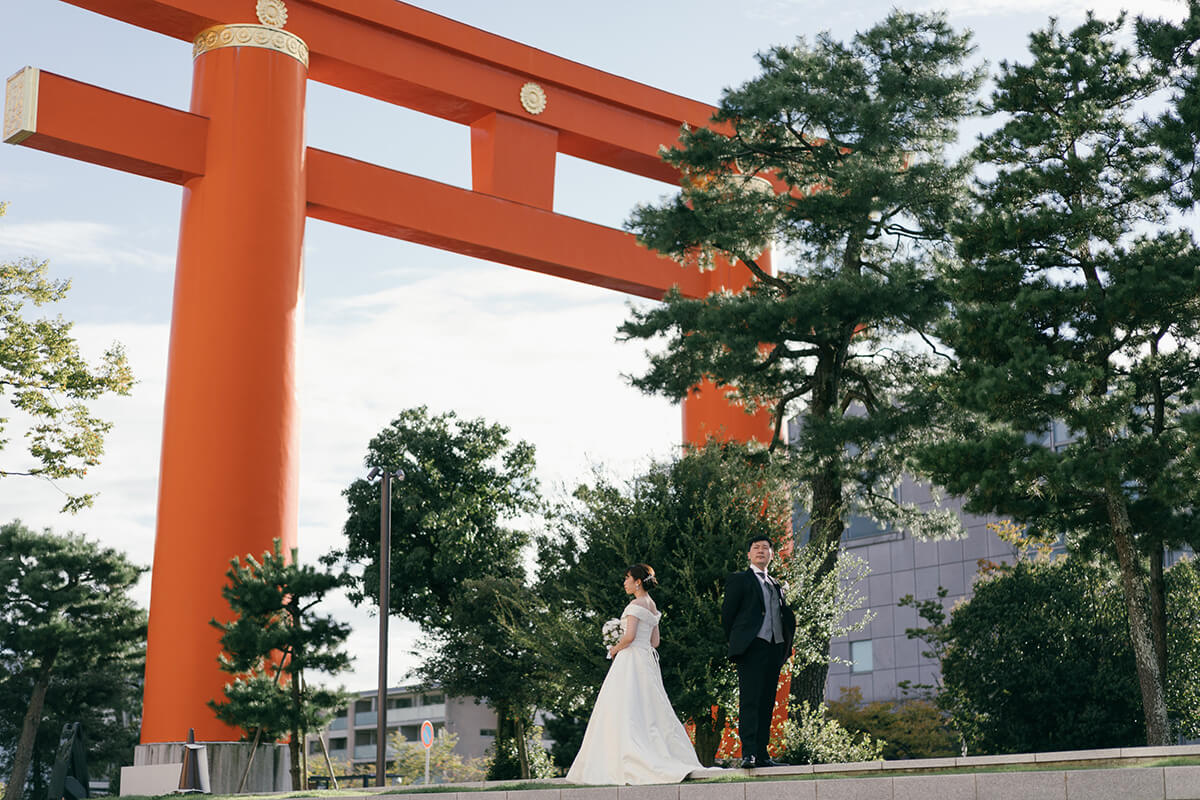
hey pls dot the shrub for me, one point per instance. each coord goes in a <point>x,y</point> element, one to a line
<point>908,728</point>
<point>810,736</point>
<point>505,765</point>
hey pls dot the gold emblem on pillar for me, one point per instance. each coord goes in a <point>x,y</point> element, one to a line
<point>247,35</point>
<point>20,106</point>
<point>271,12</point>
<point>533,98</point>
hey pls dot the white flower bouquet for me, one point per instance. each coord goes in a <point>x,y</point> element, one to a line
<point>611,632</point>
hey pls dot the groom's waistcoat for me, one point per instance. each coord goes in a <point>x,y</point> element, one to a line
<point>743,612</point>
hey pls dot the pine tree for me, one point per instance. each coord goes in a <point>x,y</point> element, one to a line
<point>1172,48</point>
<point>836,152</point>
<point>70,638</point>
<point>1074,305</point>
<point>270,646</point>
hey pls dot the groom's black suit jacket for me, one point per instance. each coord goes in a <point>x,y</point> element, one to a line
<point>743,610</point>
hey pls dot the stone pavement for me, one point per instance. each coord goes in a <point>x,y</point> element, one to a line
<point>1112,774</point>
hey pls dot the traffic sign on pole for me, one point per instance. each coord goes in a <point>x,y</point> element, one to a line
<point>427,740</point>
<point>427,734</point>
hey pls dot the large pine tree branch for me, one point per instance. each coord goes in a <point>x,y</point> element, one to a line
<point>781,410</point>
<point>767,278</point>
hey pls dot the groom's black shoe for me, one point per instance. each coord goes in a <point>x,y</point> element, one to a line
<point>767,761</point>
<point>749,763</point>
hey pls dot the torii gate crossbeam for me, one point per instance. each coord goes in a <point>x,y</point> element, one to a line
<point>229,460</point>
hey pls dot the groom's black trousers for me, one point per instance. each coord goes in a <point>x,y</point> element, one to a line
<point>758,678</point>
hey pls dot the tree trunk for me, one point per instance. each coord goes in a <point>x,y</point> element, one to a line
<point>708,736</point>
<point>522,746</point>
<point>1137,602</point>
<point>296,745</point>
<point>1158,613</point>
<point>808,685</point>
<point>294,757</point>
<point>33,716</point>
<point>826,526</point>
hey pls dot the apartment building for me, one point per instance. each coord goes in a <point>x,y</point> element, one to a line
<point>351,736</point>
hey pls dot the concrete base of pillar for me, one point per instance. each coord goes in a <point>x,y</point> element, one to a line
<point>271,771</point>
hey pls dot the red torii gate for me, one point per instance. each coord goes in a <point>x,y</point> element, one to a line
<point>228,481</point>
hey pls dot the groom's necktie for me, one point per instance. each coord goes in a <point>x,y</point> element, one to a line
<point>772,629</point>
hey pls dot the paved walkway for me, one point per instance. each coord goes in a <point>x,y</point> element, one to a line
<point>1116,774</point>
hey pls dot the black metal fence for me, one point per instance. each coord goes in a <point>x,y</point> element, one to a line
<point>364,780</point>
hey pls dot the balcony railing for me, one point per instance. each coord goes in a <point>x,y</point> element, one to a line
<point>417,713</point>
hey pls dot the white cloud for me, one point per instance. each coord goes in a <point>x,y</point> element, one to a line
<point>81,243</point>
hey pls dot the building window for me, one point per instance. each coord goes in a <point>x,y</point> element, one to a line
<point>858,527</point>
<point>363,706</point>
<point>862,656</point>
<point>362,738</point>
<point>337,744</point>
<point>410,732</point>
<point>400,702</point>
<point>433,699</point>
<point>314,747</point>
<point>487,732</point>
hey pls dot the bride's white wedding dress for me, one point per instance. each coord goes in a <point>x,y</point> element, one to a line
<point>633,735</point>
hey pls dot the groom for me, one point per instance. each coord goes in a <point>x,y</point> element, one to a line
<point>759,628</point>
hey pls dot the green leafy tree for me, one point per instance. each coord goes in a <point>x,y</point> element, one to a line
<point>824,602</point>
<point>49,383</point>
<point>691,520</point>
<point>1183,647</point>
<point>463,479</point>
<point>71,646</point>
<point>475,654</point>
<point>272,643</point>
<point>452,553</point>
<point>1074,305</point>
<point>1039,659</point>
<point>851,137</point>
<point>406,760</point>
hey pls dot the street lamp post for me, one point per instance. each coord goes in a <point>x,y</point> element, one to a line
<point>385,580</point>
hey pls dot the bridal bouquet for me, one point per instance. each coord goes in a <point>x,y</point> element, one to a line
<point>611,632</point>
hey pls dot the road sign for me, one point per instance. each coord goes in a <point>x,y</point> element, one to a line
<point>427,734</point>
<point>427,740</point>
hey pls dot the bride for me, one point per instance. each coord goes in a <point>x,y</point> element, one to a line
<point>633,735</point>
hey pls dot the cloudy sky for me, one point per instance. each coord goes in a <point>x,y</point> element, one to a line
<point>389,325</point>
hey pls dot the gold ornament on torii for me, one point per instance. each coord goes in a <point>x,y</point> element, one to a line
<point>271,12</point>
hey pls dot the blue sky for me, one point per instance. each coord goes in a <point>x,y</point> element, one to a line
<point>389,325</point>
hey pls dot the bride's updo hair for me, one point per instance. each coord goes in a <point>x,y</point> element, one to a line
<point>643,573</point>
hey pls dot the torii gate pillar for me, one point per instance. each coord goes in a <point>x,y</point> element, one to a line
<point>228,482</point>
